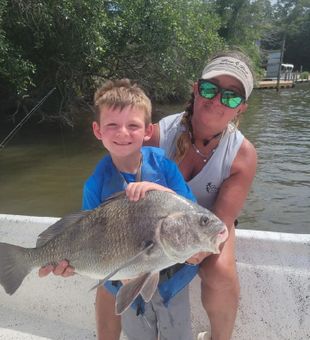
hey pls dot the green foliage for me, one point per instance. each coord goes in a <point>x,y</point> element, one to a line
<point>50,43</point>
<point>15,71</point>
<point>298,38</point>
<point>154,43</point>
<point>75,45</point>
<point>242,21</point>
<point>304,75</point>
<point>242,24</point>
<point>291,20</point>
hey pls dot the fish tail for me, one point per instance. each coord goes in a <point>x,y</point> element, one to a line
<point>14,266</point>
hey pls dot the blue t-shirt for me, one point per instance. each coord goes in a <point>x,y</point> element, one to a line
<point>107,180</point>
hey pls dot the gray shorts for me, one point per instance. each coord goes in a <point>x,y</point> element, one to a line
<point>160,322</point>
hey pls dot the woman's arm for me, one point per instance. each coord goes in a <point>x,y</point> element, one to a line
<point>235,188</point>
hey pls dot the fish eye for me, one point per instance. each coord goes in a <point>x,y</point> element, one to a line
<point>204,220</point>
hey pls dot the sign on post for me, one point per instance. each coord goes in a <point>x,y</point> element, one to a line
<point>273,63</point>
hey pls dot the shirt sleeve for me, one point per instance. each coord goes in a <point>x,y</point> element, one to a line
<point>176,181</point>
<point>91,194</point>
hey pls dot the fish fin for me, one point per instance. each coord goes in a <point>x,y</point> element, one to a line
<point>59,226</point>
<point>147,246</point>
<point>149,287</point>
<point>119,194</point>
<point>128,292</point>
<point>115,196</point>
<point>14,266</point>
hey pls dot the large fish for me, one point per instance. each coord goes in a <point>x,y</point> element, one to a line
<point>120,240</point>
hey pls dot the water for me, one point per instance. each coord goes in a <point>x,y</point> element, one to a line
<point>42,171</point>
<point>279,127</point>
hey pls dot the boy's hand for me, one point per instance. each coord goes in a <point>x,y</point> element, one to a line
<point>137,190</point>
<point>198,258</point>
<point>63,269</point>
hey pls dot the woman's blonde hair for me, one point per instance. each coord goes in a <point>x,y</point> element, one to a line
<point>185,139</point>
<point>120,94</point>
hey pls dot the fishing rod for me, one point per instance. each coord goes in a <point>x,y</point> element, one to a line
<point>23,121</point>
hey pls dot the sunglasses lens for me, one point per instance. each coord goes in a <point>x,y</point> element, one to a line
<point>207,90</point>
<point>231,99</point>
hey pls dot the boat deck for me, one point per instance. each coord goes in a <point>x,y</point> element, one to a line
<point>274,271</point>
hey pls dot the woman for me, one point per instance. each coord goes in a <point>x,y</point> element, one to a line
<point>219,165</point>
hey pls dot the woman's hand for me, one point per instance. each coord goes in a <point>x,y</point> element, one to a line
<point>136,190</point>
<point>198,258</point>
<point>124,282</point>
<point>62,269</point>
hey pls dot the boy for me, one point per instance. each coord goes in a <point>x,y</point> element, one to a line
<point>123,124</point>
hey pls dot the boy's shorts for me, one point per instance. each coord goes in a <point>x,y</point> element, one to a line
<point>160,322</point>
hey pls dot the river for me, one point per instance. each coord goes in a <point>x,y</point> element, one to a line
<point>42,171</point>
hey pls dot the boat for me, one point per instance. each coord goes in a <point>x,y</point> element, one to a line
<point>274,271</point>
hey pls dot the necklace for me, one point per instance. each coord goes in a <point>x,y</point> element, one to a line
<point>205,142</point>
<point>204,157</point>
<point>138,175</point>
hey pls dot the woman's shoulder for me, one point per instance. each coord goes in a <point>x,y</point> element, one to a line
<point>170,128</point>
<point>166,127</point>
<point>171,120</point>
<point>244,146</point>
<point>246,158</point>
<point>247,148</point>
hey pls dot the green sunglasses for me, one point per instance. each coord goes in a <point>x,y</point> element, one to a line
<point>229,98</point>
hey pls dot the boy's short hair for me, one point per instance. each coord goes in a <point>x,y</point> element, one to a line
<point>121,93</point>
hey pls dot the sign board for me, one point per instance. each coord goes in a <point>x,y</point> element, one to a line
<point>273,63</point>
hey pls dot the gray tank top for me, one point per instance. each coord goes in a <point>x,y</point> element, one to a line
<point>205,185</point>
